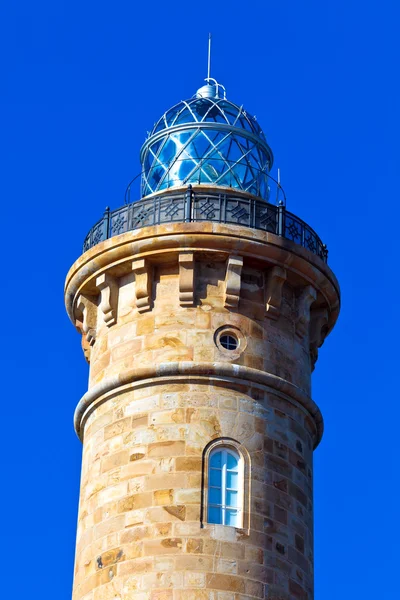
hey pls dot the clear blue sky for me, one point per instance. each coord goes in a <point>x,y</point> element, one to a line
<point>80,84</point>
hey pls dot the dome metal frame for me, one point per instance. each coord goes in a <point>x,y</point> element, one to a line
<point>209,141</point>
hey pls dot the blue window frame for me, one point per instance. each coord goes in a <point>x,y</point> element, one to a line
<point>225,487</point>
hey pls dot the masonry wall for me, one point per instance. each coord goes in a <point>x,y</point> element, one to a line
<point>162,387</point>
<point>170,332</point>
<point>139,534</point>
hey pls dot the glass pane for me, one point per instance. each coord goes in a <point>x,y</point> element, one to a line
<point>215,477</point>
<point>232,480</point>
<point>232,462</point>
<point>214,496</point>
<point>214,514</point>
<point>171,114</point>
<point>228,342</point>
<point>232,518</point>
<point>231,498</point>
<point>215,460</point>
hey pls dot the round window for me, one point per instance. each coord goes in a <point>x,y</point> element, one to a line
<point>229,342</point>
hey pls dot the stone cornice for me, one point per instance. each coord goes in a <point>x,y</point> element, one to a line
<point>233,373</point>
<point>159,242</point>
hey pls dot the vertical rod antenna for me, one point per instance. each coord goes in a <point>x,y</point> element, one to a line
<point>278,186</point>
<point>209,57</point>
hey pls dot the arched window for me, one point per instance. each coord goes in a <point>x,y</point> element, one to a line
<point>225,487</point>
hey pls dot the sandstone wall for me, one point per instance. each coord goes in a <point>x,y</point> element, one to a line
<point>162,388</point>
<point>139,534</point>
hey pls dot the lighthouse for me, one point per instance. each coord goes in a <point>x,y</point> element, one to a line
<point>202,304</point>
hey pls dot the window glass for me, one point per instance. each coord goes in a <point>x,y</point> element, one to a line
<point>228,342</point>
<point>232,480</point>
<point>232,518</point>
<point>232,462</point>
<point>214,514</point>
<point>215,496</point>
<point>224,487</point>
<point>231,498</point>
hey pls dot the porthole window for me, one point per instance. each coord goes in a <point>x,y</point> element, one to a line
<point>229,342</point>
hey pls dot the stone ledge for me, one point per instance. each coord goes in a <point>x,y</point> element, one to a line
<point>186,370</point>
<point>162,241</point>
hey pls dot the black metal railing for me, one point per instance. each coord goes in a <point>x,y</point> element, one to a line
<point>194,206</point>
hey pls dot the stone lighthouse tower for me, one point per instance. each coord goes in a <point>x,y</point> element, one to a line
<point>202,307</point>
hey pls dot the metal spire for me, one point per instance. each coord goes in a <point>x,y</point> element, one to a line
<point>209,58</point>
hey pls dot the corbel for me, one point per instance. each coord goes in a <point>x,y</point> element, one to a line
<point>108,297</point>
<point>233,280</point>
<point>186,278</point>
<point>88,307</point>
<point>318,323</point>
<point>143,284</point>
<point>304,301</point>
<point>87,349</point>
<point>276,277</point>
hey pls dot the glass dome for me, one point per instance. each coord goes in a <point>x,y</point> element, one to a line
<point>206,140</point>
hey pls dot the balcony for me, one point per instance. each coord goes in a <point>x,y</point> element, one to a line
<point>196,205</point>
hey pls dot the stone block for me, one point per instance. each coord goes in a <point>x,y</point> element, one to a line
<point>188,463</point>
<point>188,496</point>
<point>192,593</point>
<point>135,501</point>
<point>161,595</point>
<point>227,566</point>
<point>218,581</point>
<point>109,526</point>
<point>145,324</point>
<point>194,579</point>
<point>134,534</point>
<point>171,448</point>
<point>163,497</point>
<point>163,546</point>
<point>114,460</point>
<point>167,514</point>
<point>162,530</point>
<point>161,480</point>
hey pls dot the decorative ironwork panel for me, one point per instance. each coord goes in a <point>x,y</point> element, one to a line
<point>293,229</point>
<point>171,209</point>
<point>207,207</point>
<point>266,217</point>
<point>238,211</point>
<point>143,214</point>
<point>95,235</point>
<point>119,221</point>
<point>217,207</point>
